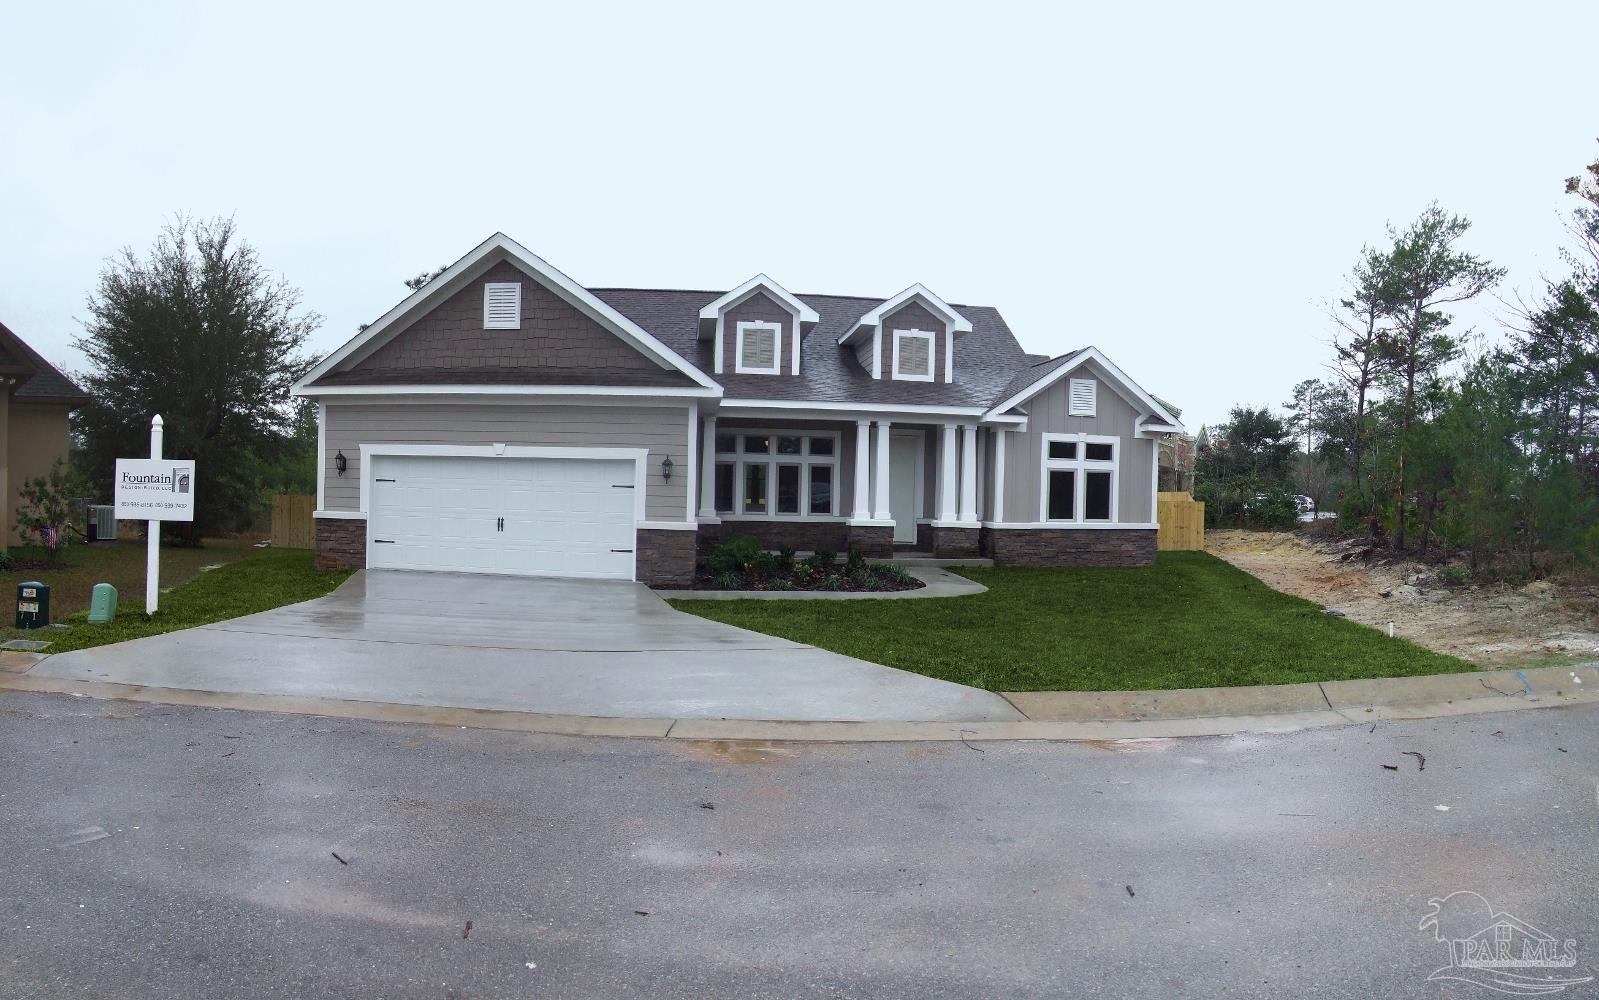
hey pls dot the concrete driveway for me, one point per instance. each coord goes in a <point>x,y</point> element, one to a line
<point>566,647</point>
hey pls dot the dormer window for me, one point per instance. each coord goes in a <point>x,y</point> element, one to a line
<point>758,349</point>
<point>502,305</point>
<point>913,355</point>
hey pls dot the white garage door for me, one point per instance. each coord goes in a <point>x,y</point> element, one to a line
<point>528,516</point>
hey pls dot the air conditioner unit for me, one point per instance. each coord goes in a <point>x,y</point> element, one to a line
<point>102,523</point>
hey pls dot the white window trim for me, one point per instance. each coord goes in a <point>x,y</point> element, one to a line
<point>739,367</point>
<point>1071,407</point>
<point>932,354</point>
<point>488,291</point>
<point>805,460</point>
<point>1080,464</point>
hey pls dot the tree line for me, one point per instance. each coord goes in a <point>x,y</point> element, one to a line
<point>1425,438</point>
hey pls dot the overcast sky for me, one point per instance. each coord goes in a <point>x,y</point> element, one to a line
<point>1182,186</point>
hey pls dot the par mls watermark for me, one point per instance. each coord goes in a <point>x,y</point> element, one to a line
<point>1498,951</point>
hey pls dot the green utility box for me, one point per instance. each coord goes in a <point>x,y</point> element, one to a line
<point>33,604</point>
<point>102,603</point>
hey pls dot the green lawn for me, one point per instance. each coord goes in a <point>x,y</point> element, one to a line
<point>256,580</point>
<point>1191,620</point>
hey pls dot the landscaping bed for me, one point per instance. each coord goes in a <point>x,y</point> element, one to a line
<point>1191,620</point>
<point>740,564</point>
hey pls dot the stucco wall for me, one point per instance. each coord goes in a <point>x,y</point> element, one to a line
<point>1113,416</point>
<point>662,429</point>
<point>35,436</point>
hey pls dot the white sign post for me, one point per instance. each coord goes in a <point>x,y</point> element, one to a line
<point>155,490</point>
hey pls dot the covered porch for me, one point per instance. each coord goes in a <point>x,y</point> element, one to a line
<point>876,483</point>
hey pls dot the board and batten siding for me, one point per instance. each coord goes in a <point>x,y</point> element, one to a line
<point>1113,417</point>
<point>661,429</point>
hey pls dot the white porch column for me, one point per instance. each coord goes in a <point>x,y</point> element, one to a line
<point>969,472</point>
<point>708,470</point>
<point>863,471</point>
<point>946,475</point>
<point>999,473</point>
<point>880,510</point>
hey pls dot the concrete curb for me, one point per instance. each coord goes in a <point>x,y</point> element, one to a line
<point>939,584</point>
<point>1345,704</point>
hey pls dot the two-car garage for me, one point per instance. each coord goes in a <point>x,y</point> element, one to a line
<point>551,515</point>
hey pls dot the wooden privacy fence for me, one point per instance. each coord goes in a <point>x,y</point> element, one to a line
<point>1182,522</point>
<point>292,525</point>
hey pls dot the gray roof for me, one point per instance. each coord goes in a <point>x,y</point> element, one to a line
<point>46,383</point>
<point>987,360</point>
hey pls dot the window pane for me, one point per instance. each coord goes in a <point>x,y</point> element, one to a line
<point>1063,449</point>
<point>788,446</point>
<point>726,443</point>
<point>757,444</point>
<point>788,489</point>
<point>755,488</point>
<point>1062,494</point>
<point>821,446</point>
<point>1100,452</point>
<point>821,486</point>
<point>724,487</point>
<point>1097,498</point>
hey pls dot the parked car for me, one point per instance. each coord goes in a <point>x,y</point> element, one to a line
<point>1305,504</point>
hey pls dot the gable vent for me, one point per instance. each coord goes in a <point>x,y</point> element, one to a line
<point>757,349</point>
<point>1081,401</point>
<point>502,305</point>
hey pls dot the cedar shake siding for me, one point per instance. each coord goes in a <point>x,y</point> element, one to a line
<point>556,343</point>
<point>1113,417</point>
<point>662,429</point>
<point>912,316</point>
<point>760,308</point>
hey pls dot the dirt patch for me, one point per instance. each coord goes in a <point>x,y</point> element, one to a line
<point>1490,626</point>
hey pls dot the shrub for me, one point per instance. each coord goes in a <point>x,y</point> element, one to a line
<point>854,562</point>
<point>896,574</point>
<point>1454,576</point>
<point>818,563</point>
<point>780,584</point>
<point>865,579</point>
<point>824,557</point>
<point>833,582</point>
<point>728,581</point>
<point>735,555</point>
<point>768,564</point>
<point>785,555</point>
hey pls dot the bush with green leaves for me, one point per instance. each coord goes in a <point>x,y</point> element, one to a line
<point>735,555</point>
<point>44,511</point>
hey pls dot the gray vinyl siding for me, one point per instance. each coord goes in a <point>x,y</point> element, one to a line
<point>1113,417</point>
<point>661,429</point>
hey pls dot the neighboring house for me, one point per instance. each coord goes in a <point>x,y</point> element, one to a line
<point>505,419</point>
<point>33,421</point>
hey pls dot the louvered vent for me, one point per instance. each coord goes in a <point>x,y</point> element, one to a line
<point>915,357</point>
<point>1081,397</point>
<point>502,306</point>
<point>758,352</point>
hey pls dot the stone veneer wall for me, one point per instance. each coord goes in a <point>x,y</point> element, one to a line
<point>871,541</point>
<point>955,543</point>
<point>802,536</point>
<point>665,558</point>
<point>340,543</point>
<point>1070,546</point>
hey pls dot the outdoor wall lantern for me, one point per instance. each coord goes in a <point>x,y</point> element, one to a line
<point>666,469</point>
<point>340,463</point>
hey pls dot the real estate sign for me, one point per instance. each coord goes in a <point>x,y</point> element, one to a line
<point>154,489</point>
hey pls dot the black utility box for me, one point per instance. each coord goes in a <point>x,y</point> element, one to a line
<point>33,604</point>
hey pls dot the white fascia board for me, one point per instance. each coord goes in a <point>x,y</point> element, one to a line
<point>954,320</point>
<point>1120,382</point>
<point>584,300</point>
<point>801,312</point>
<point>585,391</point>
<point>845,407</point>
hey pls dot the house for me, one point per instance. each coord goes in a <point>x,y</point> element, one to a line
<point>33,421</point>
<point>505,419</point>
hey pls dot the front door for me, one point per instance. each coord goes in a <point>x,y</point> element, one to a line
<point>904,484</point>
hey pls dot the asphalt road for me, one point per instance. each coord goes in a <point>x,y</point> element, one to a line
<point>1271,866</point>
